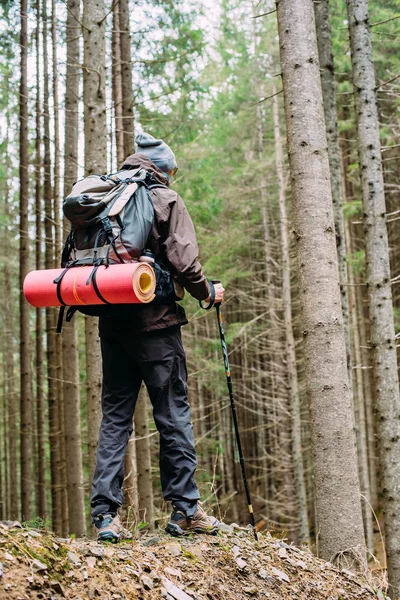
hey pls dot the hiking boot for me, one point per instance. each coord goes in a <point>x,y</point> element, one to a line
<point>109,529</point>
<point>179,524</point>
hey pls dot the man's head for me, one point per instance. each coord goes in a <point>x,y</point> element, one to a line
<point>158,151</point>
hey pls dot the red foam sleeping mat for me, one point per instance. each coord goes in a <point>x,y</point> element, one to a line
<point>130,283</point>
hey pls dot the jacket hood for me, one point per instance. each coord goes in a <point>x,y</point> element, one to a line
<point>136,161</point>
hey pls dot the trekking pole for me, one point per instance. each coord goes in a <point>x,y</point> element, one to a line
<point>234,415</point>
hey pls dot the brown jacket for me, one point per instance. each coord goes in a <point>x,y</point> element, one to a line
<point>173,241</point>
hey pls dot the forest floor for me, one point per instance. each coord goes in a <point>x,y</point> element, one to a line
<point>37,565</point>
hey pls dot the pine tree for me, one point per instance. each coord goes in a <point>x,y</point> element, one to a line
<point>72,420</point>
<point>337,494</point>
<point>95,130</point>
<point>24,251</point>
<point>386,379</point>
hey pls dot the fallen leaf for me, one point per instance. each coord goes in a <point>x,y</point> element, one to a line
<point>263,574</point>
<point>90,561</point>
<point>241,563</point>
<point>280,574</point>
<point>252,591</point>
<point>9,556</point>
<point>174,549</point>
<point>147,582</point>
<point>173,572</point>
<point>174,591</point>
<point>74,559</point>
<point>38,566</point>
<point>236,550</point>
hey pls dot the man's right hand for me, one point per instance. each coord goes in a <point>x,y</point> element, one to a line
<point>219,294</point>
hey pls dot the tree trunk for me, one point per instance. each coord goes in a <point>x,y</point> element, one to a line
<point>54,421</point>
<point>57,255</point>
<point>128,101</point>
<point>325,52</point>
<point>10,406</point>
<point>39,358</point>
<point>117,85</point>
<point>378,281</point>
<point>359,410</point>
<point>24,251</point>
<point>72,419</point>
<point>290,352</point>
<point>340,533</point>
<point>95,128</point>
<point>131,499</point>
<point>143,459</point>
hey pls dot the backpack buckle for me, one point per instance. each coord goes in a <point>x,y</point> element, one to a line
<point>107,225</point>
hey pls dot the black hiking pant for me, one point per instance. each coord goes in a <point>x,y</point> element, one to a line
<point>158,359</point>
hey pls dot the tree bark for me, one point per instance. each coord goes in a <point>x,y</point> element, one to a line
<point>54,421</point>
<point>24,251</point>
<point>10,407</point>
<point>117,85</point>
<point>359,411</point>
<point>387,396</point>
<point>325,52</point>
<point>290,351</point>
<point>143,459</point>
<point>131,498</point>
<point>95,129</point>
<point>340,533</point>
<point>39,358</point>
<point>57,255</point>
<point>128,100</point>
<point>71,384</point>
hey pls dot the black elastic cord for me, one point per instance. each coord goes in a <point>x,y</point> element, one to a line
<point>212,297</point>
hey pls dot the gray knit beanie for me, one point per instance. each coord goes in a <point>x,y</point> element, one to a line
<point>157,150</point>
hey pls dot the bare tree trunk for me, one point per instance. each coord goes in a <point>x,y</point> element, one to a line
<point>72,404</point>
<point>131,498</point>
<point>117,85</point>
<point>54,421</point>
<point>290,352</point>
<point>325,51</point>
<point>378,279</point>
<point>39,358</point>
<point>128,101</point>
<point>143,459</point>
<point>57,254</point>
<point>93,388</point>
<point>95,127</point>
<point>340,528</point>
<point>359,409</point>
<point>24,251</point>
<point>10,407</point>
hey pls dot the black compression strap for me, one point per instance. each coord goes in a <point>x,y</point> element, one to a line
<point>70,313</point>
<point>212,297</point>
<point>58,281</point>
<point>96,289</point>
<point>60,318</point>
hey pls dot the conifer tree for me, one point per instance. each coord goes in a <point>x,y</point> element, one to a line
<point>386,379</point>
<point>337,494</point>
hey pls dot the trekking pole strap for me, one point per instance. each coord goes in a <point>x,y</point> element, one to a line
<point>212,297</point>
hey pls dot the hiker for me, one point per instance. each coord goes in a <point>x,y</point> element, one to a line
<point>149,348</point>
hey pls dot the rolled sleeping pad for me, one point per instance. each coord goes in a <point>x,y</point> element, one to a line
<point>130,283</point>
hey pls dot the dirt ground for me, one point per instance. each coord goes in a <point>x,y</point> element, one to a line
<point>36,565</point>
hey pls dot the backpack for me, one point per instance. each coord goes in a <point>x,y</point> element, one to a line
<point>111,218</point>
